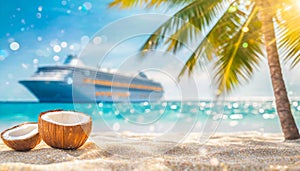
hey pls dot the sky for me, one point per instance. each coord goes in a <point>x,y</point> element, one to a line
<point>36,33</point>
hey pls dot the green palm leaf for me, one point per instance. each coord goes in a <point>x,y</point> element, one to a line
<point>186,25</point>
<point>238,51</point>
<point>211,43</point>
<point>225,40</point>
<point>289,34</point>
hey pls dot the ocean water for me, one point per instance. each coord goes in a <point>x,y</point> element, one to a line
<point>160,117</point>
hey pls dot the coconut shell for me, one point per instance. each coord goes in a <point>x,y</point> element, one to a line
<point>23,144</point>
<point>64,136</point>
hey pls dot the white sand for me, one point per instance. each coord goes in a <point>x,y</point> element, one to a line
<point>245,150</point>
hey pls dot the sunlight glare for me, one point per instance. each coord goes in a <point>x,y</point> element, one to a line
<point>297,3</point>
<point>294,4</point>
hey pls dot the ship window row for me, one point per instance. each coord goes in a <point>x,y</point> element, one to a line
<point>119,84</point>
<point>109,94</point>
<point>105,76</point>
<point>52,73</point>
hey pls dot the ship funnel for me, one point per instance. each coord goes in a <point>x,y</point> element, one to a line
<point>143,75</point>
<point>73,61</point>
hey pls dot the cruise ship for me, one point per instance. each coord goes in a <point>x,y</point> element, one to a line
<point>75,82</point>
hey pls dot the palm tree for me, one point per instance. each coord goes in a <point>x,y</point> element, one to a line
<point>238,30</point>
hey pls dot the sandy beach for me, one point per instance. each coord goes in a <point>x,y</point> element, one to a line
<point>223,151</point>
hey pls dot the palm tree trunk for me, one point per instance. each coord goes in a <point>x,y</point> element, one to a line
<point>287,121</point>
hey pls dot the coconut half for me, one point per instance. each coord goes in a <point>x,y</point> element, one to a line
<point>64,129</point>
<point>22,137</point>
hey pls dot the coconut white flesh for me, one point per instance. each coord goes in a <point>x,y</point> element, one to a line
<point>22,132</point>
<point>67,118</point>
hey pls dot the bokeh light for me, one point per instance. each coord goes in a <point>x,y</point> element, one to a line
<point>63,44</point>
<point>39,38</point>
<point>38,15</point>
<point>87,6</point>
<point>245,45</point>
<point>63,3</point>
<point>14,46</point>
<point>40,8</point>
<point>56,58</point>
<point>35,61</point>
<point>56,48</point>
<point>84,40</point>
<point>245,29</point>
<point>97,40</point>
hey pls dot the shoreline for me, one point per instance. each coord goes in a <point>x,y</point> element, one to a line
<point>243,150</point>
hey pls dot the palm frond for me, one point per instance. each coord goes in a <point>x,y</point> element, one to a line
<point>238,50</point>
<point>289,35</point>
<point>204,49</point>
<point>186,25</point>
<point>225,40</point>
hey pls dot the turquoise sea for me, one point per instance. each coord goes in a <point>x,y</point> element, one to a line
<point>158,117</point>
